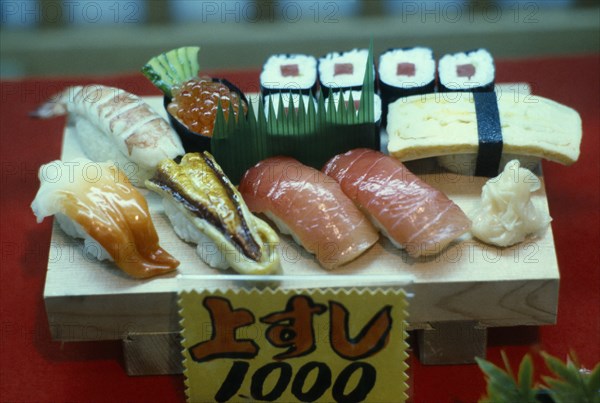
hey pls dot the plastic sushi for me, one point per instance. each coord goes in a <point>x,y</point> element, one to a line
<point>192,102</point>
<point>276,99</point>
<point>412,214</point>
<point>404,72</point>
<point>96,202</point>
<point>478,133</point>
<point>207,210</point>
<point>354,97</point>
<point>287,73</point>
<point>469,71</point>
<point>343,71</point>
<point>311,207</point>
<point>506,215</point>
<point>112,124</point>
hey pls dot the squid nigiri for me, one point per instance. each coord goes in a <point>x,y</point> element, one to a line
<point>311,207</point>
<point>96,202</point>
<point>112,124</point>
<point>205,208</point>
<point>412,214</point>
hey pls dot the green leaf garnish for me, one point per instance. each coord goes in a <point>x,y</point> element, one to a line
<point>311,134</point>
<point>569,384</point>
<point>172,68</point>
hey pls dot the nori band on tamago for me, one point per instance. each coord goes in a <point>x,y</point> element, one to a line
<point>489,131</point>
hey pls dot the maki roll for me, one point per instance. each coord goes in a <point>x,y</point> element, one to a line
<point>353,98</point>
<point>471,71</point>
<point>284,98</point>
<point>404,72</point>
<point>193,109</point>
<point>343,71</point>
<point>289,73</point>
<point>356,130</point>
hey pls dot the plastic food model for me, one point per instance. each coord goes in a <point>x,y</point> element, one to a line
<point>106,211</point>
<point>311,207</point>
<point>506,214</point>
<point>206,209</point>
<point>112,124</point>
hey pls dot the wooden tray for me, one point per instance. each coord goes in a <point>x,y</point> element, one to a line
<point>457,294</point>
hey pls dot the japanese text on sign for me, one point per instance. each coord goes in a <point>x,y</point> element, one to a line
<point>276,346</point>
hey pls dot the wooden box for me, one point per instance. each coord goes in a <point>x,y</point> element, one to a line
<point>456,295</point>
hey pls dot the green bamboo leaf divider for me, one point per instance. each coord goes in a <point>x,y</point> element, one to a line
<point>312,134</point>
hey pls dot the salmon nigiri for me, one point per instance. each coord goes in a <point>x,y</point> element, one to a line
<point>311,207</point>
<point>96,202</point>
<point>412,214</point>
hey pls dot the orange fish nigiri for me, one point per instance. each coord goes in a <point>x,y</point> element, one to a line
<point>96,202</point>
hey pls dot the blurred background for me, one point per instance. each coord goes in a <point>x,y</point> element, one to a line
<point>78,37</point>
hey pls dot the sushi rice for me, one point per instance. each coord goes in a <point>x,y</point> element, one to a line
<point>302,80</point>
<point>91,247</point>
<point>327,69</point>
<point>285,98</point>
<point>98,147</point>
<point>483,75</point>
<point>465,164</point>
<point>65,178</point>
<point>205,247</point>
<point>356,96</point>
<point>422,60</point>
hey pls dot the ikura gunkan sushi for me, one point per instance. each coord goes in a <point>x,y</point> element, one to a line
<point>470,71</point>
<point>404,72</point>
<point>411,213</point>
<point>289,73</point>
<point>195,103</point>
<point>310,206</point>
<point>343,71</point>
<point>191,101</point>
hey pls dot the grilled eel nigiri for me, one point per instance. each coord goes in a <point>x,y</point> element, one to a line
<point>206,209</point>
<point>112,124</point>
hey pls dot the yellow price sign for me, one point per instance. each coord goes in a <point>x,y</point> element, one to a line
<point>301,345</point>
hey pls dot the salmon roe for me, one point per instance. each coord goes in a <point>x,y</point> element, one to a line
<point>195,104</point>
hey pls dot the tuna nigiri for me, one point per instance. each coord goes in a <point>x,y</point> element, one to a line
<point>412,214</point>
<point>311,207</point>
<point>96,202</point>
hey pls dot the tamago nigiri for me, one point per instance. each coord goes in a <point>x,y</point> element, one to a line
<point>96,202</point>
<point>311,207</point>
<point>412,214</point>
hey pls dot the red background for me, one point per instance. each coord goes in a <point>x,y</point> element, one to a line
<point>35,368</point>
